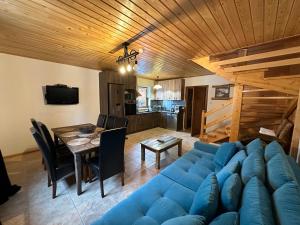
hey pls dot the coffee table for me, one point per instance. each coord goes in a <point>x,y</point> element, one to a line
<point>159,145</point>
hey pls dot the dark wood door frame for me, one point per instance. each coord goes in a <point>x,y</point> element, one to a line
<point>196,112</point>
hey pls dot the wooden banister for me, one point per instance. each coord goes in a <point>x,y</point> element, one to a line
<point>216,121</point>
<point>203,120</point>
<point>216,109</point>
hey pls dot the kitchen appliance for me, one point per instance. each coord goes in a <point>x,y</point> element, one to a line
<point>130,102</point>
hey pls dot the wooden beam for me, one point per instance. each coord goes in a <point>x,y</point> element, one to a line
<point>264,55</point>
<point>294,150</point>
<point>255,90</point>
<point>236,112</point>
<point>272,98</point>
<point>278,63</point>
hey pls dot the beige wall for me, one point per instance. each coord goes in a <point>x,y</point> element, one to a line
<point>210,80</point>
<point>21,98</point>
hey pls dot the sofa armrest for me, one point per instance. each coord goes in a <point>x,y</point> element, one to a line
<point>209,148</point>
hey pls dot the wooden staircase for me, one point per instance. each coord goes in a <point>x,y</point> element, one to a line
<point>220,132</point>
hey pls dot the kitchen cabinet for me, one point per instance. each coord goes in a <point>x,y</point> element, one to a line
<point>143,121</point>
<point>171,90</point>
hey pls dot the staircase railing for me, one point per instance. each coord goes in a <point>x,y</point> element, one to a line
<point>204,125</point>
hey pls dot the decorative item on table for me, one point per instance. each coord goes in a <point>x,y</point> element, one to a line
<point>87,129</point>
<point>70,134</point>
<point>79,141</point>
<point>222,92</point>
<point>96,141</point>
<point>165,139</point>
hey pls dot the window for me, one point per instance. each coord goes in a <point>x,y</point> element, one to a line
<point>142,100</point>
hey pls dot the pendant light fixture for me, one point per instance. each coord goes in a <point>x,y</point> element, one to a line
<point>127,62</point>
<point>157,86</point>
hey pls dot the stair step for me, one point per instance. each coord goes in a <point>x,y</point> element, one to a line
<point>213,137</point>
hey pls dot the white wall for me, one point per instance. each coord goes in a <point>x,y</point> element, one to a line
<point>21,98</point>
<point>211,80</point>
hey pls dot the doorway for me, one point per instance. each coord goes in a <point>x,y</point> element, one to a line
<point>196,101</point>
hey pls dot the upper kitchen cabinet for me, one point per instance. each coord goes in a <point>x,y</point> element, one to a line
<point>171,90</point>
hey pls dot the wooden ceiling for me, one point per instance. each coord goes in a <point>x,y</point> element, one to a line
<point>170,32</point>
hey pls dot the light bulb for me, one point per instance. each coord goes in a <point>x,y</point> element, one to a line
<point>122,70</point>
<point>129,67</point>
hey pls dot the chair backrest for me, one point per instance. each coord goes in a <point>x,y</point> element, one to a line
<point>114,122</point>
<point>47,136</point>
<point>101,120</point>
<point>46,153</point>
<point>35,125</point>
<point>111,152</point>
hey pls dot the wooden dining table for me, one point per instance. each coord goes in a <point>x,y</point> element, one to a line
<point>78,151</point>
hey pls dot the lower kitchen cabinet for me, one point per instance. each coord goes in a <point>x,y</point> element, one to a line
<point>144,121</point>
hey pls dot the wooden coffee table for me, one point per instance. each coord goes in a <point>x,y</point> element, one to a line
<point>158,147</point>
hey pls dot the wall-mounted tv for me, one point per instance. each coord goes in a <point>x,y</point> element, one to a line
<point>61,95</point>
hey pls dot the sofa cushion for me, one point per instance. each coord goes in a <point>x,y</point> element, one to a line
<point>224,154</point>
<point>295,167</point>
<point>272,149</point>
<point>256,208</point>
<point>253,165</point>
<point>209,148</point>
<point>228,218</point>
<point>190,169</point>
<point>160,199</point>
<point>240,156</point>
<point>227,171</point>
<point>145,220</point>
<point>279,171</point>
<point>186,220</point>
<point>256,145</point>
<point>287,204</point>
<point>207,197</point>
<point>231,193</point>
<point>239,145</point>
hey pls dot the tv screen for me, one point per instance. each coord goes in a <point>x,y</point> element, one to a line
<point>61,95</point>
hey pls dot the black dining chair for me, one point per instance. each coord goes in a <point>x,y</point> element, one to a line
<point>101,120</point>
<point>116,122</point>
<point>56,171</point>
<point>110,158</point>
<point>60,152</point>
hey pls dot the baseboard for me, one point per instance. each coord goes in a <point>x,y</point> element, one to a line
<point>31,150</point>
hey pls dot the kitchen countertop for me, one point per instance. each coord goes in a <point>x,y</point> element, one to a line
<point>164,111</point>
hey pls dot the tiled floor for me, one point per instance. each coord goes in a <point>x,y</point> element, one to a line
<point>34,205</point>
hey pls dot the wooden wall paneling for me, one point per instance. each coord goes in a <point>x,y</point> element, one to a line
<point>236,112</point>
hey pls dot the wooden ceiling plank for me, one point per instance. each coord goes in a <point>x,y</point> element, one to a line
<point>257,12</point>
<point>172,17</point>
<point>231,13</point>
<point>243,9</point>
<point>284,11</point>
<point>282,52</point>
<point>206,14</point>
<point>185,18</point>
<point>294,19</point>
<point>200,24</point>
<point>278,63</point>
<point>217,11</point>
<point>271,7</point>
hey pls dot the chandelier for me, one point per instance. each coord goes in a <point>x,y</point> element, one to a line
<point>128,61</point>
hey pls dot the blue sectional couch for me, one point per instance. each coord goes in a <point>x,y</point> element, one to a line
<point>230,184</point>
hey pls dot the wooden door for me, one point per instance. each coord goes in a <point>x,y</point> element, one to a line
<point>189,108</point>
<point>199,104</point>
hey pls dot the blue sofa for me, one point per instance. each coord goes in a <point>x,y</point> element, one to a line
<point>230,184</point>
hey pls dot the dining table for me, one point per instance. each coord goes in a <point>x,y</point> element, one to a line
<point>70,134</point>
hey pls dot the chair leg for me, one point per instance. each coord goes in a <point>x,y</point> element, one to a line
<point>49,180</point>
<point>122,178</point>
<point>101,187</point>
<point>53,189</point>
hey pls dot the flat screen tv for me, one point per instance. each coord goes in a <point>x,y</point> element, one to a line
<point>61,95</point>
